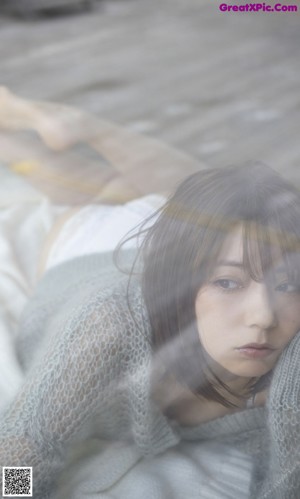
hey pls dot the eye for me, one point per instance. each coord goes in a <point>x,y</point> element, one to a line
<point>288,287</point>
<point>227,284</point>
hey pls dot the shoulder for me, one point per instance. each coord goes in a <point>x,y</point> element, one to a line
<point>87,296</point>
<point>80,278</point>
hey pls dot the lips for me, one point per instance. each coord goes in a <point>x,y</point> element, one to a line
<point>255,350</point>
<point>258,346</point>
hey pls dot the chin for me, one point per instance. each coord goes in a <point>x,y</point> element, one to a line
<point>254,373</point>
<point>253,369</point>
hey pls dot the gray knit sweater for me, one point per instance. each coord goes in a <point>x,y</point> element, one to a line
<point>87,360</point>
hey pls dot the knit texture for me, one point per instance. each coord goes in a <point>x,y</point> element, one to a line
<point>87,359</point>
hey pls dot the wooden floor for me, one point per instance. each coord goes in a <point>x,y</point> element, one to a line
<point>224,87</point>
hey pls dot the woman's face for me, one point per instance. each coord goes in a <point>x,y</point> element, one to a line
<point>233,310</point>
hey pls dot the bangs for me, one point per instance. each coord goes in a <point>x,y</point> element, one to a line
<point>268,245</point>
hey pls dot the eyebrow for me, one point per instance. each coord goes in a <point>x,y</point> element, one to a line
<point>230,263</point>
<point>281,270</point>
<point>240,265</point>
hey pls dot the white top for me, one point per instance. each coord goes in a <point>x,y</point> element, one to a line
<point>99,228</point>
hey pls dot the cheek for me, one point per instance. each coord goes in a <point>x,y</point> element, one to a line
<point>288,316</point>
<point>205,307</point>
<point>213,313</point>
<point>214,307</point>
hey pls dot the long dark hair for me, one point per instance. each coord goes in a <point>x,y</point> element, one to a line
<point>180,249</point>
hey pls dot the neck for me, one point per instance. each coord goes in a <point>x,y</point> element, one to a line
<point>238,384</point>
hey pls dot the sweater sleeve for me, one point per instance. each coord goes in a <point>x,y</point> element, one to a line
<point>282,476</point>
<point>76,373</point>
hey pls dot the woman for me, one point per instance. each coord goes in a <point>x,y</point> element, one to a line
<point>136,383</point>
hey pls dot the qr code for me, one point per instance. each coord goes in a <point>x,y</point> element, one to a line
<point>17,482</point>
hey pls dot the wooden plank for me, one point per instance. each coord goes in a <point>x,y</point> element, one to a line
<point>221,87</point>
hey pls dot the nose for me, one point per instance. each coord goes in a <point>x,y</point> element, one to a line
<point>259,307</point>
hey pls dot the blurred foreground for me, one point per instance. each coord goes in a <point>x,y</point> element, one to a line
<point>223,87</point>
